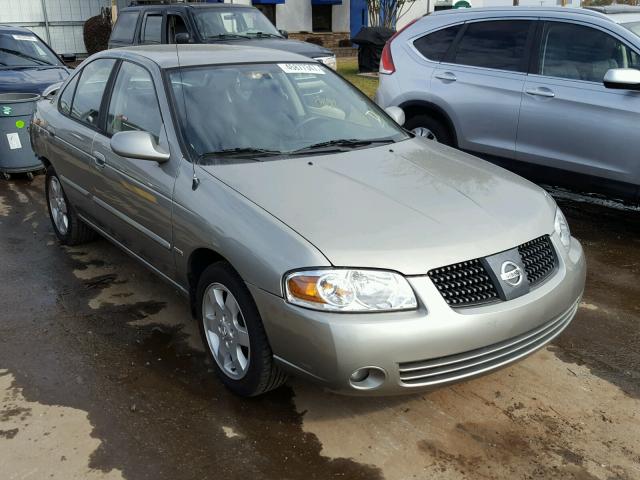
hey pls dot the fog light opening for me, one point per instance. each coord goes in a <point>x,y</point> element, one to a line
<point>367,378</point>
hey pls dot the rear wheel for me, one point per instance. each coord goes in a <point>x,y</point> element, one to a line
<point>233,334</point>
<point>67,226</point>
<point>430,128</point>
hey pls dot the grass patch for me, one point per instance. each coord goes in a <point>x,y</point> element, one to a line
<point>348,68</point>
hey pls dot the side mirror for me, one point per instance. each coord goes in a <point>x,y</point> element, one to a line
<point>284,33</point>
<point>139,145</point>
<point>51,90</point>
<point>396,113</point>
<point>622,79</point>
<point>68,57</point>
<point>182,38</point>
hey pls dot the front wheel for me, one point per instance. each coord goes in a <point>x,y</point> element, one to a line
<point>233,334</point>
<point>430,128</point>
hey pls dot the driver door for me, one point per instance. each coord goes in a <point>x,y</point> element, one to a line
<point>569,119</point>
<point>135,195</point>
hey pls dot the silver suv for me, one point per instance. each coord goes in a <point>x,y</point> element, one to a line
<point>552,93</point>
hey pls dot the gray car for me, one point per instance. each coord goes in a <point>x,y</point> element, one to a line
<point>312,234</point>
<point>549,92</point>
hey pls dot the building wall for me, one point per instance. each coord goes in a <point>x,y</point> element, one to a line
<point>66,18</point>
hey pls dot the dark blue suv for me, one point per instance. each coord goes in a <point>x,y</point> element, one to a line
<point>27,64</point>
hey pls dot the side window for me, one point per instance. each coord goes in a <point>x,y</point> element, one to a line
<point>578,52</point>
<point>91,86</point>
<point>434,46</point>
<point>125,28</point>
<point>134,105</point>
<point>152,29</point>
<point>66,98</point>
<point>175,25</point>
<point>494,44</point>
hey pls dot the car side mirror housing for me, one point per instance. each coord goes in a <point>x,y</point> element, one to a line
<point>51,90</point>
<point>284,33</point>
<point>397,114</point>
<point>182,38</point>
<point>139,145</point>
<point>622,79</point>
<point>68,57</point>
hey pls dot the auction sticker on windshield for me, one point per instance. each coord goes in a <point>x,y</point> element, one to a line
<point>301,68</point>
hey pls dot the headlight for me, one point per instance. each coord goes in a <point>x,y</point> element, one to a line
<point>330,62</point>
<point>345,290</point>
<point>562,229</point>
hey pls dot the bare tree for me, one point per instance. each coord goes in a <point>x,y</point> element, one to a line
<point>386,13</point>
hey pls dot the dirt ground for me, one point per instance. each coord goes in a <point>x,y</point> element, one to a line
<point>102,377</point>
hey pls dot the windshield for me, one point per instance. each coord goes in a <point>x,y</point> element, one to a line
<point>25,50</point>
<point>633,26</point>
<point>228,22</point>
<point>267,109</point>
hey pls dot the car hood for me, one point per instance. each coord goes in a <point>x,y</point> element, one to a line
<point>293,46</point>
<point>409,207</point>
<point>31,80</point>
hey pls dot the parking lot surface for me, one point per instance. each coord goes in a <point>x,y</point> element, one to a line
<point>102,377</point>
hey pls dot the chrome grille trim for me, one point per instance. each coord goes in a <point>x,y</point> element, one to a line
<point>455,367</point>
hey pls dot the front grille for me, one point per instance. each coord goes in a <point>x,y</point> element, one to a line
<point>456,367</point>
<point>464,284</point>
<point>539,259</point>
<point>467,284</point>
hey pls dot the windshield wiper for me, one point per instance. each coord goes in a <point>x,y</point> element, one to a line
<point>343,142</point>
<point>222,36</point>
<point>265,35</point>
<point>242,152</point>
<point>24,55</point>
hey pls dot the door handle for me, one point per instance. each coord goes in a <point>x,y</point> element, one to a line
<point>99,159</point>
<point>50,131</point>
<point>446,76</point>
<point>540,92</point>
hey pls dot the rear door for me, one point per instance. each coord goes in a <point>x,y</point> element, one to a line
<point>569,119</point>
<point>135,195</point>
<point>480,83</point>
<point>75,129</point>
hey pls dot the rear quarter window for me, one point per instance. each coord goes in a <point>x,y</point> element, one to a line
<point>125,28</point>
<point>434,46</point>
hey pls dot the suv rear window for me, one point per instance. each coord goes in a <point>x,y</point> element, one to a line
<point>496,44</point>
<point>434,46</point>
<point>125,28</point>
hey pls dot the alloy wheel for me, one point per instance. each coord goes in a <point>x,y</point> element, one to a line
<point>424,132</point>
<point>58,206</point>
<point>226,331</point>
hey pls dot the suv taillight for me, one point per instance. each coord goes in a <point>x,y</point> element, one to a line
<point>387,66</point>
<point>386,60</point>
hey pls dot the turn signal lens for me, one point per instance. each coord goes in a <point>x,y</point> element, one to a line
<point>562,229</point>
<point>350,290</point>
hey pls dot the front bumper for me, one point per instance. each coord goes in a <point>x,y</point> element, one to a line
<point>432,346</point>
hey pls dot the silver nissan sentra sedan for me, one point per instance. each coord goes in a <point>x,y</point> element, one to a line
<point>313,235</point>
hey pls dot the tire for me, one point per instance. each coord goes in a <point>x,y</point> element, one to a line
<point>440,131</point>
<point>69,229</point>
<point>226,328</point>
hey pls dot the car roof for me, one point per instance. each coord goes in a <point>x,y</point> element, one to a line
<point>14,29</point>
<point>615,9</point>
<point>555,11</point>
<point>204,54</point>
<point>183,6</point>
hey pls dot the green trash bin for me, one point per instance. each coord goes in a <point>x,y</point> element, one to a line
<point>16,155</point>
